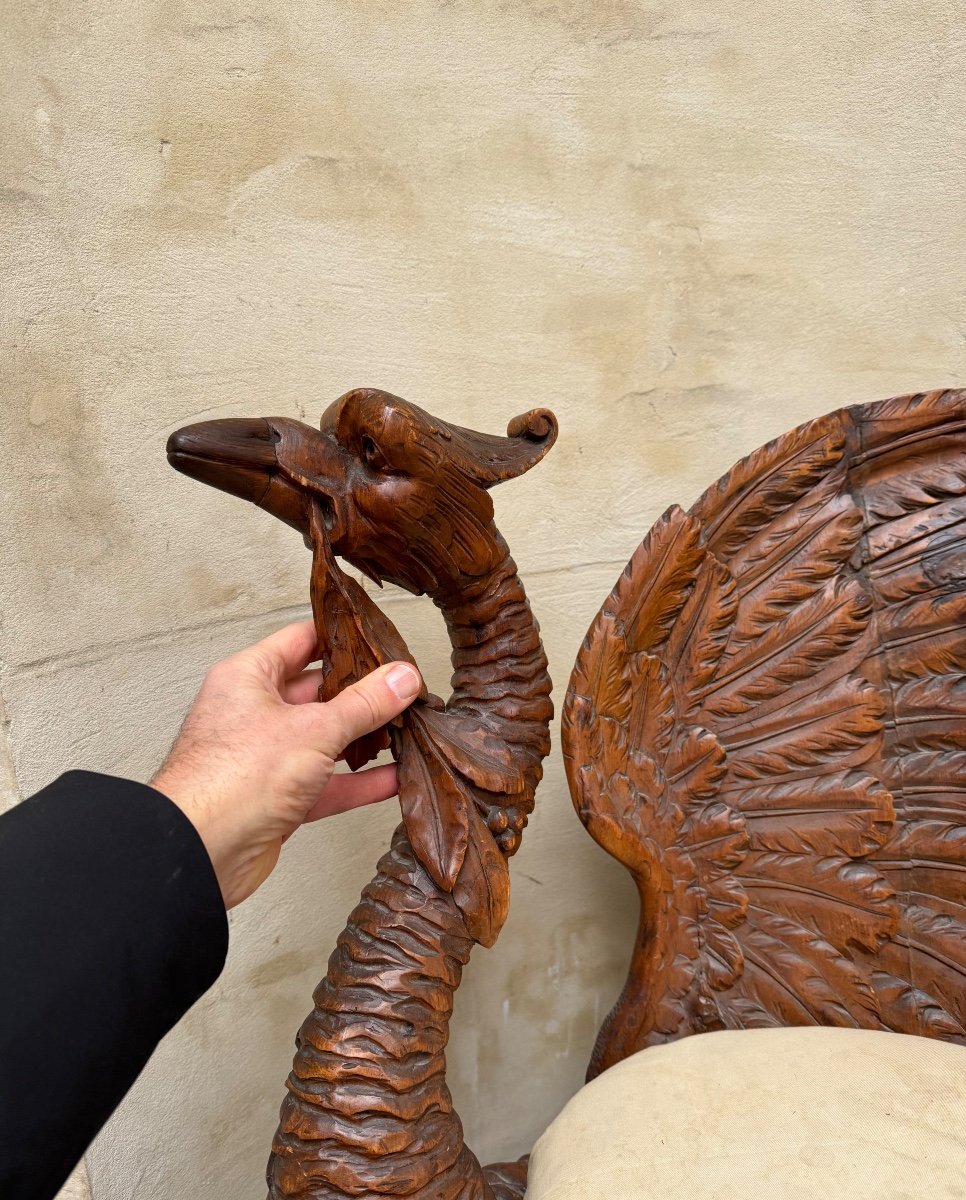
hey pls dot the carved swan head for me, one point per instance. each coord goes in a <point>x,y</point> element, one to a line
<point>400,494</point>
<point>403,497</point>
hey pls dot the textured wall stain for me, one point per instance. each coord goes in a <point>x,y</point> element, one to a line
<point>59,483</point>
<point>281,967</point>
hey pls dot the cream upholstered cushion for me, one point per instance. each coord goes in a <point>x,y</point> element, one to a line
<point>767,1114</point>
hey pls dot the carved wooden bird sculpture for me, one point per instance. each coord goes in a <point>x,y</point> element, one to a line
<point>403,497</point>
<point>766,725</point>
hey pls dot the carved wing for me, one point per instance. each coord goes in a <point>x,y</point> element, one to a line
<point>765,724</point>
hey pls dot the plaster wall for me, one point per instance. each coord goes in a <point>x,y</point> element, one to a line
<point>685,228</point>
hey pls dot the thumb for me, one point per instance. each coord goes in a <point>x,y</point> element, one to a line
<point>369,704</point>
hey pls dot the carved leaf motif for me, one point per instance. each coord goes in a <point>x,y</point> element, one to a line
<point>354,636</point>
<point>474,750</point>
<point>482,888</point>
<point>435,806</point>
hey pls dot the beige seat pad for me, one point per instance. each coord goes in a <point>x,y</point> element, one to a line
<point>769,1114</point>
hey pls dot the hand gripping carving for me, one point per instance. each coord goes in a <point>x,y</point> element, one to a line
<point>766,725</point>
<point>403,497</point>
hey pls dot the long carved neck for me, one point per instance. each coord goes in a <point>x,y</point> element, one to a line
<point>368,1112</point>
<point>500,669</point>
<point>367,1098</point>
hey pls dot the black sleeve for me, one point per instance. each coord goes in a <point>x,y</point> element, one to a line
<point>111,926</point>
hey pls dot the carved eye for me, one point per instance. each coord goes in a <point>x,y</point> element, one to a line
<point>372,456</point>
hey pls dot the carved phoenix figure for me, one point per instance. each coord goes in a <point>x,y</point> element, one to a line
<point>403,497</point>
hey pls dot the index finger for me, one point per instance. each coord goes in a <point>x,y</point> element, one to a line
<point>288,651</point>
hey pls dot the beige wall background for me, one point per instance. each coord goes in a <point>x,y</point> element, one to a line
<point>686,228</point>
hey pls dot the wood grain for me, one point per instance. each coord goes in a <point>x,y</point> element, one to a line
<point>403,498</point>
<point>765,724</point>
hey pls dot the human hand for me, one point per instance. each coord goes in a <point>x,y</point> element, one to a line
<point>254,759</point>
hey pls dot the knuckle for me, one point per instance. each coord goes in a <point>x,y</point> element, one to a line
<point>363,709</point>
<point>217,676</point>
<point>261,661</point>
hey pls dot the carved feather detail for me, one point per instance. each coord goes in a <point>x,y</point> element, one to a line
<point>764,484</point>
<point>784,770</point>
<point>923,481</point>
<point>672,553</point>
<point>792,647</point>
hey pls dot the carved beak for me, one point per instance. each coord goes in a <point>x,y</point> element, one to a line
<point>237,456</point>
<point>278,464</point>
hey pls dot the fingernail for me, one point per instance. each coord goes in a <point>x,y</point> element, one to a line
<point>403,681</point>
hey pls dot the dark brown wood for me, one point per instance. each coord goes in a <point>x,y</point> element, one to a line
<point>765,724</point>
<point>403,497</point>
<point>508,1180</point>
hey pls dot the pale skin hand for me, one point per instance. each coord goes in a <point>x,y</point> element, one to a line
<point>254,759</point>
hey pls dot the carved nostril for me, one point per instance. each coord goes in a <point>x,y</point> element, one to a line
<point>328,513</point>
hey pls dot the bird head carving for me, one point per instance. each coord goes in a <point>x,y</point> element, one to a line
<point>404,497</point>
<point>399,494</point>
